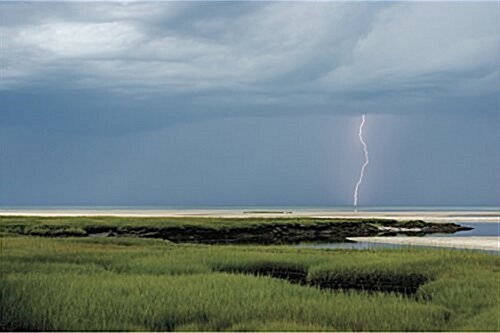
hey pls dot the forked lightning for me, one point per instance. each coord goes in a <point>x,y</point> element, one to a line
<point>362,173</point>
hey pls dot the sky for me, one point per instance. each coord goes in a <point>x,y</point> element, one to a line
<point>249,103</point>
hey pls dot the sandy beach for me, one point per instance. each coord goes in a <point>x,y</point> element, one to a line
<point>478,243</point>
<point>429,216</point>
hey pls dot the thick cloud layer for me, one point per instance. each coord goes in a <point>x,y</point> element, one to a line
<point>235,57</point>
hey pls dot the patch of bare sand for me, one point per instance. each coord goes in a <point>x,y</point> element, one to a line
<point>471,242</point>
<point>429,216</point>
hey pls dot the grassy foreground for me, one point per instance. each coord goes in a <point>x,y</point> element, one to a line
<point>52,284</point>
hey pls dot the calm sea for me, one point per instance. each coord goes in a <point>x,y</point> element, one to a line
<point>278,208</point>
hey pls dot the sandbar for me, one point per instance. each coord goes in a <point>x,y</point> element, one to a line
<point>463,242</point>
<point>428,216</point>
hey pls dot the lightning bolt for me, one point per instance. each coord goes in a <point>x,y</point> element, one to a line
<point>362,173</point>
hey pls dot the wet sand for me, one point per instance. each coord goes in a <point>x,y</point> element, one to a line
<point>428,216</point>
<point>472,242</point>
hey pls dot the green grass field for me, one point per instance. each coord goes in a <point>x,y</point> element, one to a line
<point>132,284</point>
<point>78,226</point>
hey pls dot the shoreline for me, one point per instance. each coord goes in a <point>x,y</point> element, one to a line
<point>428,216</point>
<point>485,243</point>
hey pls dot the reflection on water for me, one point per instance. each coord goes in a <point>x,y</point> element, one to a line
<point>480,229</point>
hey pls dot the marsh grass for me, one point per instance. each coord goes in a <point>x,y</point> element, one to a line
<point>81,226</point>
<point>132,284</point>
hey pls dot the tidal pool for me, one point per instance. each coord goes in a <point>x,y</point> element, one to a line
<point>480,229</point>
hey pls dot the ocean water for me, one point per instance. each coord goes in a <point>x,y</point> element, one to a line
<point>274,208</point>
<point>480,229</point>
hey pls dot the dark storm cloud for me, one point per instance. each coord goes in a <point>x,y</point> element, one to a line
<point>278,55</point>
<point>247,103</point>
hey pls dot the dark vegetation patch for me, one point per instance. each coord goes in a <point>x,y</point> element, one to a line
<point>405,283</point>
<point>291,233</point>
<point>291,274</point>
<point>418,228</point>
<point>377,281</point>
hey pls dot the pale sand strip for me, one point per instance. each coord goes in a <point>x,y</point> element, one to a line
<point>429,216</point>
<point>472,242</point>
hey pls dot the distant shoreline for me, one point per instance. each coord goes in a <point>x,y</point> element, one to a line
<point>430,216</point>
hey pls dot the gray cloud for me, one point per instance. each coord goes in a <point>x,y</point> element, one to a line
<point>328,55</point>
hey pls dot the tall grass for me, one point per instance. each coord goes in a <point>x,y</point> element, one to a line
<point>214,301</point>
<point>140,284</point>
